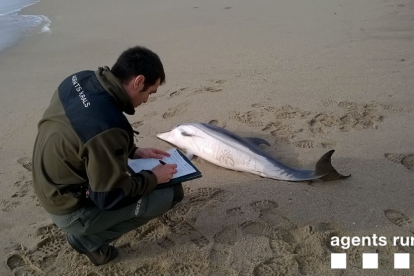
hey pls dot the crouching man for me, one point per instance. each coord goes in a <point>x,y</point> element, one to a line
<point>81,151</point>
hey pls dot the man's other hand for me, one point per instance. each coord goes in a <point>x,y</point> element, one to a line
<point>150,153</point>
<point>164,173</point>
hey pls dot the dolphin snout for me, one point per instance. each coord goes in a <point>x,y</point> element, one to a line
<point>164,136</point>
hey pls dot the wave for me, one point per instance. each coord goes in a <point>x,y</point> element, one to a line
<point>14,26</point>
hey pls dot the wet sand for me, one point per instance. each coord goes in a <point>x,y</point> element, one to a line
<point>307,76</point>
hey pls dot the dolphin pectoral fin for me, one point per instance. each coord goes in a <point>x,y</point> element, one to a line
<point>324,167</point>
<point>257,141</point>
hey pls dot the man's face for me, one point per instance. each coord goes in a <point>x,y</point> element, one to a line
<point>141,96</point>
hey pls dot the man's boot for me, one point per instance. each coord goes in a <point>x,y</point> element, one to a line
<point>97,257</point>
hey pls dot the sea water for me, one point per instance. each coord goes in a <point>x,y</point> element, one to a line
<point>14,25</point>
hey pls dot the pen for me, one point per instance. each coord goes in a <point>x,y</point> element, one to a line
<point>162,162</point>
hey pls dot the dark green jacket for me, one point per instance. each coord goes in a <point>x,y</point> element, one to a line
<point>84,139</point>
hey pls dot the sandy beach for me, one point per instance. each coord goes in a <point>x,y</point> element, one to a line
<point>307,76</point>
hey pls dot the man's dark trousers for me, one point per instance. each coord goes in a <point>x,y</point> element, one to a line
<point>95,228</point>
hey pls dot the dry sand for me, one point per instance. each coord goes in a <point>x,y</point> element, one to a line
<point>308,76</point>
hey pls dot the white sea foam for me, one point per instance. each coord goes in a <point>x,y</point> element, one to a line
<point>14,25</point>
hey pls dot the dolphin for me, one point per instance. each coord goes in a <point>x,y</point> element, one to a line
<point>226,149</point>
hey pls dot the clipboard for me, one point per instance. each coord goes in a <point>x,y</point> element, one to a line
<point>187,177</point>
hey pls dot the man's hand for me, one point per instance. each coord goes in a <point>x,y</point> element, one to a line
<point>150,153</point>
<point>164,173</point>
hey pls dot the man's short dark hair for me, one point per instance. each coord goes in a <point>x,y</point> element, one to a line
<point>137,61</point>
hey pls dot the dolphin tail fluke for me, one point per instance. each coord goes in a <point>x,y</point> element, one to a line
<point>324,167</point>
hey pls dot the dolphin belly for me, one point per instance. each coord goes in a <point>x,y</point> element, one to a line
<point>223,154</point>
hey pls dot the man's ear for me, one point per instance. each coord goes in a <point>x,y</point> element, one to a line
<point>139,82</point>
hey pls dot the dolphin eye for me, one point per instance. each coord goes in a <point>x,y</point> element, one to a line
<point>183,133</point>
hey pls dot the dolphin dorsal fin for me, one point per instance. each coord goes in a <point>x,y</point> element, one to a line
<point>257,141</point>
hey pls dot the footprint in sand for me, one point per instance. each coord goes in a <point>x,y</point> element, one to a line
<point>26,163</point>
<point>268,213</point>
<point>93,274</point>
<point>14,261</point>
<point>354,256</point>
<point>327,227</point>
<point>356,117</point>
<point>407,160</point>
<point>49,257</point>
<point>256,228</point>
<point>403,245</point>
<point>322,121</point>
<point>166,243</point>
<point>185,229</point>
<point>179,212</point>
<point>329,102</point>
<point>204,194</point>
<point>394,157</point>
<point>389,107</point>
<point>235,211</point>
<point>308,144</point>
<point>308,265</point>
<point>278,129</point>
<point>19,264</point>
<point>149,270</point>
<point>283,235</point>
<point>50,230</point>
<point>189,268</point>
<point>258,105</point>
<point>217,123</point>
<point>281,265</point>
<point>137,124</point>
<point>177,221</point>
<point>153,233</point>
<point>42,258</point>
<point>348,105</point>
<point>282,113</point>
<point>24,187</point>
<point>49,248</point>
<point>47,251</point>
<point>218,81</point>
<point>152,99</point>
<point>211,89</point>
<point>178,109</point>
<point>276,220</point>
<point>21,192</point>
<point>8,206</point>
<point>250,118</point>
<point>229,235</point>
<point>220,255</point>
<point>264,205</point>
<point>127,243</point>
<point>112,269</point>
<point>178,92</point>
<point>213,122</point>
<point>399,218</point>
<point>328,145</point>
